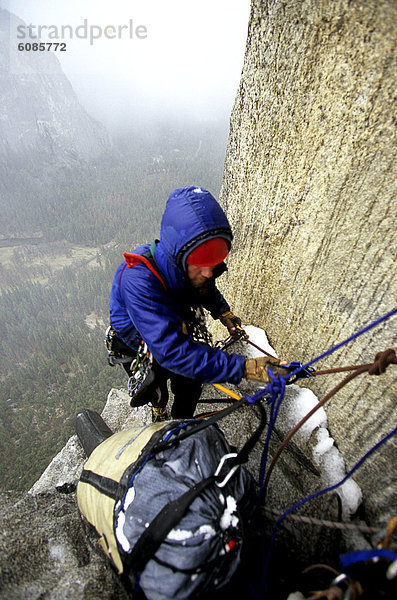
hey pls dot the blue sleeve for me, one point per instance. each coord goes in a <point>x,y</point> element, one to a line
<point>157,319</point>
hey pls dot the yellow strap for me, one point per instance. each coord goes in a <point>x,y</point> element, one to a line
<point>391,528</point>
<point>227,391</point>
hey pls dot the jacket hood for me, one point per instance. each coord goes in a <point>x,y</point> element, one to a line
<point>191,217</point>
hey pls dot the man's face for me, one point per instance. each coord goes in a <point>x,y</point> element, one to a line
<point>199,275</point>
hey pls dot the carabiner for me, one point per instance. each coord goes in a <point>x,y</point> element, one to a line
<point>302,374</point>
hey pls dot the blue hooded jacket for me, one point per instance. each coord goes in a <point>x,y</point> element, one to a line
<point>141,308</point>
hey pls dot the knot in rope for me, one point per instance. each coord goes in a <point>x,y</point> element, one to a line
<point>382,361</point>
<point>275,388</point>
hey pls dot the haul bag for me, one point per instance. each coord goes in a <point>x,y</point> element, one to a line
<point>126,485</point>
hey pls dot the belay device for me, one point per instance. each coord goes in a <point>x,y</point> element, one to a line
<point>166,504</point>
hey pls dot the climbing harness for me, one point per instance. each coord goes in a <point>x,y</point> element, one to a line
<point>141,368</point>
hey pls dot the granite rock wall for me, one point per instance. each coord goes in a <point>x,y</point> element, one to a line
<point>309,187</point>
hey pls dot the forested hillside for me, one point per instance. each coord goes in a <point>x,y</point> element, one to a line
<point>55,283</point>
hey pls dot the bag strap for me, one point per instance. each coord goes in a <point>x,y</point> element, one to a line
<point>154,535</point>
<point>105,485</point>
<point>202,424</point>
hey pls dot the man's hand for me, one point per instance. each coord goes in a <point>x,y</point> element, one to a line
<point>229,320</point>
<point>256,368</point>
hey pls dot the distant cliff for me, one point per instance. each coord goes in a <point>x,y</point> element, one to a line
<point>40,114</point>
<point>309,188</point>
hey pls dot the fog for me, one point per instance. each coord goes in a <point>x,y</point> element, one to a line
<point>142,59</point>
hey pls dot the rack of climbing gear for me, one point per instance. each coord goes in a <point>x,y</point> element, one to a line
<point>140,369</point>
<point>114,352</point>
<point>196,325</point>
<point>139,364</point>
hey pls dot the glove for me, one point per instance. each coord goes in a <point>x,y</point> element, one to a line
<point>229,320</point>
<point>256,368</point>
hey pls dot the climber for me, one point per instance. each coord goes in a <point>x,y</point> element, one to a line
<point>153,292</point>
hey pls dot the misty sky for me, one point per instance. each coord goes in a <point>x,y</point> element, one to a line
<point>185,57</point>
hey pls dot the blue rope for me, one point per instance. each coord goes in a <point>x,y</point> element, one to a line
<point>346,341</point>
<point>316,495</point>
<point>346,560</point>
<point>276,391</point>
